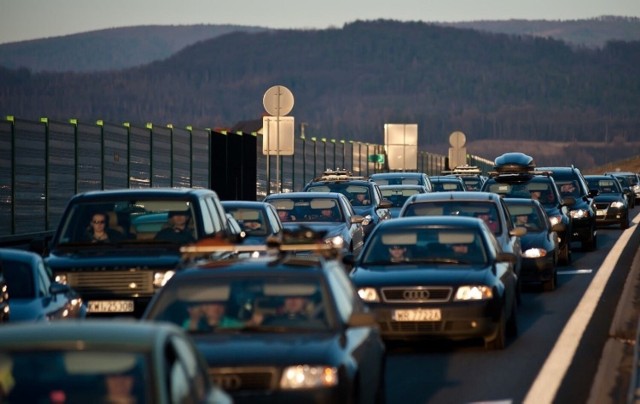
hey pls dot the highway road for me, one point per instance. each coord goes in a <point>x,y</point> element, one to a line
<point>555,357</point>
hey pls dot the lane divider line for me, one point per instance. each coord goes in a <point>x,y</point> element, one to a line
<point>548,381</point>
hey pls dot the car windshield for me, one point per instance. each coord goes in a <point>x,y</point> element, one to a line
<point>251,220</point>
<point>308,209</point>
<point>483,210</point>
<point>398,196</point>
<point>426,246</point>
<point>540,191</point>
<point>604,186</point>
<point>126,220</point>
<point>353,192</point>
<point>84,376</point>
<point>246,304</point>
<point>526,216</point>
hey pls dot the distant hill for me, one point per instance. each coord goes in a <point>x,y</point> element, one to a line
<point>109,49</point>
<point>348,82</point>
<point>120,48</point>
<point>590,33</point>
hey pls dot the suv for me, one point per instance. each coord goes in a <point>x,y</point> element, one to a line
<point>515,176</point>
<point>632,180</point>
<point>571,183</point>
<point>364,196</point>
<point>121,275</point>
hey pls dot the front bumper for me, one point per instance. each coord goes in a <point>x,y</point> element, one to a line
<point>582,229</point>
<point>459,320</point>
<point>535,270</point>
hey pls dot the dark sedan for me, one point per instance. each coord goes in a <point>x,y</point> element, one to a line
<point>451,281</point>
<point>329,212</point>
<point>279,328</point>
<point>540,244</point>
<point>398,195</point>
<point>259,220</point>
<point>612,205</point>
<point>34,296</point>
<point>102,361</point>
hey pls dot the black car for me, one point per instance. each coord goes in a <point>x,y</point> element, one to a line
<point>571,183</point>
<point>119,275</point>
<point>402,178</point>
<point>612,206</point>
<point>278,328</point>
<point>326,212</point>
<point>632,180</point>
<point>259,220</point>
<point>446,183</point>
<point>364,196</point>
<point>34,295</point>
<point>103,361</point>
<point>399,193</point>
<point>515,176</point>
<point>485,205</point>
<point>540,245</point>
<point>438,277</point>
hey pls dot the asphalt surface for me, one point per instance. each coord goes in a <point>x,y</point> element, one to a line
<point>617,378</point>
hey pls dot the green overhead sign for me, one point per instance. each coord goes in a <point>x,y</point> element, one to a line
<point>376,158</point>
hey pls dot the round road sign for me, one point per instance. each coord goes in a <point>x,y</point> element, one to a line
<point>278,101</point>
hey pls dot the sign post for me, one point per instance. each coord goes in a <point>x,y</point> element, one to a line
<point>278,102</point>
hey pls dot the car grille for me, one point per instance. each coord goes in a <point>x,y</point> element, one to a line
<point>416,294</point>
<point>602,206</point>
<point>117,282</point>
<point>244,379</point>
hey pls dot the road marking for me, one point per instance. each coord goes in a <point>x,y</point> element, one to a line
<point>548,381</point>
<point>575,272</point>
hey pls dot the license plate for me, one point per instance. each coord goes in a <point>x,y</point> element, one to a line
<point>417,315</point>
<point>601,213</point>
<point>110,306</point>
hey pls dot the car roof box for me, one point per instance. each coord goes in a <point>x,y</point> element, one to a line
<point>516,163</point>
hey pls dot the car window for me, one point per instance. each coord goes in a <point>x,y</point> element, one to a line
<point>486,211</point>
<point>19,278</point>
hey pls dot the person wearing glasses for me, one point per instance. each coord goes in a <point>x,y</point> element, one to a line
<point>99,231</point>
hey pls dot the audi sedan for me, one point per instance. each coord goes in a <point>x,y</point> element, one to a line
<point>438,277</point>
<point>279,327</point>
<point>612,206</point>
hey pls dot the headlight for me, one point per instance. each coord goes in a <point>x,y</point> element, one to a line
<point>161,278</point>
<point>368,294</point>
<point>61,278</point>
<point>335,242</point>
<point>367,220</point>
<point>473,292</point>
<point>305,377</point>
<point>534,253</point>
<point>555,220</point>
<point>579,213</point>
<point>617,204</point>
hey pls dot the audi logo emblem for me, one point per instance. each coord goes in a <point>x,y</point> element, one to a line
<point>415,294</point>
<point>228,382</point>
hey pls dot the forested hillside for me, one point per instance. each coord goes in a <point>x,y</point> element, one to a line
<point>349,81</point>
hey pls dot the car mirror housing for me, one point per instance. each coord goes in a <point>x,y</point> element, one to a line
<point>362,319</point>
<point>568,201</point>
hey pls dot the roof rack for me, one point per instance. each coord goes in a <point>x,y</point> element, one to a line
<point>337,175</point>
<point>300,239</point>
<point>463,170</point>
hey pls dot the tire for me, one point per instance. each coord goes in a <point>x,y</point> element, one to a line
<point>551,284</point>
<point>512,323</point>
<point>590,245</point>
<point>565,255</point>
<point>497,341</point>
<point>624,223</point>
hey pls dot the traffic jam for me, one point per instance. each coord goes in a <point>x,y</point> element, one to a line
<point>398,287</point>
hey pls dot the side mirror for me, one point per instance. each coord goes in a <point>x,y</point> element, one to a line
<point>593,193</point>
<point>385,204</point>
<point>518,231</point>
<point>357,219</point>
<point>362,319</point>
<point>568,201</point>
<point>507,257</point>
<point>58,288</point>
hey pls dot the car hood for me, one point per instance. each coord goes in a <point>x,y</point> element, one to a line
<point>438,274</point>
<point>332,229</point>
<point>114,259</point>
<point>608,198</point>
<point>244,349</point>
<point>533,239</point>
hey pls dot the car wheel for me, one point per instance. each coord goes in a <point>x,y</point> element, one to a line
<point>565,254</point>
<point>624,223</point>
<point>498,340</point>
<point>551,284</point>
<point>512,323</point>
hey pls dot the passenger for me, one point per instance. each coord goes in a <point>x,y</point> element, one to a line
<point>177,230</point>
<point>211,315</point>
<point>286,216</point>
<point>120,389</point>
<point>99,231</point>
<point>327,215</point>
<point>535,195</point>
<point>486,216</point>
<point>568,189</point>
<point>397,253</point>
<point>360,200</point>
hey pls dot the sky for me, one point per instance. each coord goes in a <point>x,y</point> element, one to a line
<point>34,19</point>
